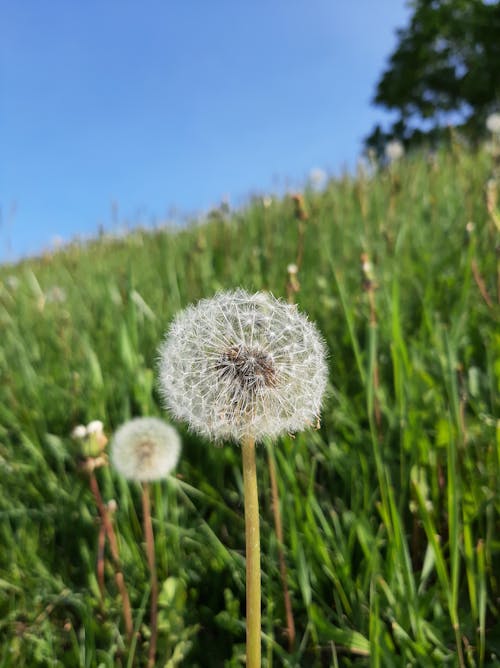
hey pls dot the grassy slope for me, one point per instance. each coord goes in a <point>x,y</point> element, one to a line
<point>391,525</point>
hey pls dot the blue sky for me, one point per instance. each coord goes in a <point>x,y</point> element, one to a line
<point>162,105</point>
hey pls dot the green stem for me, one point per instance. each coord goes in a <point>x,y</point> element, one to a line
<point>252,536</point>
<point>150,552</point>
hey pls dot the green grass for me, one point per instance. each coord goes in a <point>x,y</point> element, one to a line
<point>391,509</point>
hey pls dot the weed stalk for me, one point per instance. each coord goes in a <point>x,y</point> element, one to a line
<point>150,553</point>
<point>252,540</point>
<point>113,544</point>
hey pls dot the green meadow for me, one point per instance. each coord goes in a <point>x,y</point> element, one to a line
<point>390,507</point>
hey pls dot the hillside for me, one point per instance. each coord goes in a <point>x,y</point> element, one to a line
<point>391,509</point>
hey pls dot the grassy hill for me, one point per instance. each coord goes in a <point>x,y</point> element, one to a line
<point>391,510</point>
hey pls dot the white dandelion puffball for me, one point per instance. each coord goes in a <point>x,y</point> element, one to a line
<point>318,178</point>
<point>394,150</point>
<point>56,295</point>
<point>493,123</point>
<point>145,449</point>
<point>95,427</point>
<point>79,432</point>
<point>243,365</point>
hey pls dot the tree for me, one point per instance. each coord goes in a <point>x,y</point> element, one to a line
<point>445,70</point>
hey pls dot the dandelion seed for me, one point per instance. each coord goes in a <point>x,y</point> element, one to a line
<point>241,365</point>
<point>493,123</point>
<point>394,150</point>
<point>145,449</point>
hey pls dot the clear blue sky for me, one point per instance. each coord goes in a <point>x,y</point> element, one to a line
<point>163,103</point>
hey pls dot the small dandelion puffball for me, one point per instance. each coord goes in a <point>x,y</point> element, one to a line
<point>493,123</point>
<point>79,432</point>
<point>145,449</point>
<point>318,178</point>
<point>394,150</point>
<point>241,365</point>
<point>95,427</point>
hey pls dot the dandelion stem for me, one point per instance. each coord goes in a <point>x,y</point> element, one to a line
<point>252,536</point>
<point>113,544</point>
<point>100,558</point>
<point>150,553</point>
<point>480,283</point>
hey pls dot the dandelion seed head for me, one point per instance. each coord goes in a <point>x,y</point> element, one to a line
<point>470,227</point>
<point>55,295</point>
<point>394,150</point>
<point>95,427</point>
<point>493,123</point>
<point>92,438</point>
<point>145,449</point>
<point>318,178</point>
<point>12,282</point>
<point>79,432</point>
<point>112,506</point>
<point>241,365</point>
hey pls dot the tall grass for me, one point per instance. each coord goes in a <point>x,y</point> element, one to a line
<point>391,509</point>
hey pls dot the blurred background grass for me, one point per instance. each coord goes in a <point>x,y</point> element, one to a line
<point>390,509</point>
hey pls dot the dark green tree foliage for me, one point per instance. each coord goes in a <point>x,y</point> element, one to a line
<point>445,69</point>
